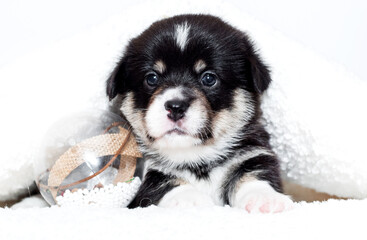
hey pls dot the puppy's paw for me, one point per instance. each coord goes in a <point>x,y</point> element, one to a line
<point>185,196</point>
<point>259,196</point>
<point>265,202</point>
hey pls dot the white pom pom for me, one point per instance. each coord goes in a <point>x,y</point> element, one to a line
<point>119,195</point>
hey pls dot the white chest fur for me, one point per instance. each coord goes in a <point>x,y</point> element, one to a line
<point>210,186</point>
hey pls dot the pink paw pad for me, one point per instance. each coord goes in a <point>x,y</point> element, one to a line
<point>265,208</point>
<point>264,205</point>
<point>250,206</point>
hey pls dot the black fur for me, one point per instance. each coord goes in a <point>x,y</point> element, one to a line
<point>245,69</point>
<point>268,166</point>
<point>153,188</point>
<point>231,55</point>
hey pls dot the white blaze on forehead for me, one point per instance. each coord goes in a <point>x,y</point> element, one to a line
<point>182,33</point>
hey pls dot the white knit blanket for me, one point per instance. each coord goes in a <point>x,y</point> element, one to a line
<point>334,219</point>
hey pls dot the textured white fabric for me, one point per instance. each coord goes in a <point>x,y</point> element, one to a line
<point>314,110</point>
<point>316,114</point>
<point>334,220</point>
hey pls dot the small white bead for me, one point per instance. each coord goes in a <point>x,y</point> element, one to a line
<point>110,196</point>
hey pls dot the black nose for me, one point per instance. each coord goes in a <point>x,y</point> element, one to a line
<point>176,109</point>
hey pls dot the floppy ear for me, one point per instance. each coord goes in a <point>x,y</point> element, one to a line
<point>258,74</point>
<point>116,82</point>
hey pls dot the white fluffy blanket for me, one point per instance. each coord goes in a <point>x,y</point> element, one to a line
<point>335,219</point>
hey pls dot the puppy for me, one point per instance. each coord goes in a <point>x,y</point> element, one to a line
<point>190,87</point>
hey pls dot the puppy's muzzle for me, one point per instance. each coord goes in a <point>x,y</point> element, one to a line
<point>176,109</point>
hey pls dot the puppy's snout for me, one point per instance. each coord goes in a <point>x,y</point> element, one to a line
<point>176,109</point>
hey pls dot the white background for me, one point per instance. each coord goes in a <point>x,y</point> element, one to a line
<point>335,29</point>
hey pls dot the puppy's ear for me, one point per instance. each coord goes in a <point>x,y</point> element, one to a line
<point>257,73</point>
<point>117,80</point>
<point>260,74</point>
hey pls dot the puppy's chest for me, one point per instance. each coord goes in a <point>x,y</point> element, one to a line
<point>211,184</point>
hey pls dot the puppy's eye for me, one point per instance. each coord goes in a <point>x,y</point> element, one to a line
<point>151,79</point>
<point>209,79</point>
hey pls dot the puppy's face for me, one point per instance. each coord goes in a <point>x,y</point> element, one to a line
<point>189,82</point>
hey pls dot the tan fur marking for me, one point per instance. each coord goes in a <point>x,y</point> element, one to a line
<point>180,181</point>
<point>154,95</point>
<point>220,121</point>
<point>159,66</point>
<point>199,66</point>
<point>135,117</point>
<point>203,100</point>
<point>226,121</point>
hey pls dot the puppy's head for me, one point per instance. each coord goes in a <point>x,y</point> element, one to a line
<point>189,82</point>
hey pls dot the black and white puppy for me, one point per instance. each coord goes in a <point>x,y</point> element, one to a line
<point>190,87</point>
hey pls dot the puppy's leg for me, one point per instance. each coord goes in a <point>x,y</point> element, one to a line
<point>155,185</point>
<point>255,186</point>
<point>185,196</point>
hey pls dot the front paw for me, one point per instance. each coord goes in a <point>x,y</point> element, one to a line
<point>259,196</point>
<point>185,196</point>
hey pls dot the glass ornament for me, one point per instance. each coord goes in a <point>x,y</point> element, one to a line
<point>92,158</point>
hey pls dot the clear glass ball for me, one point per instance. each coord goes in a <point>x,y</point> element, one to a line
<point>85,154</point>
